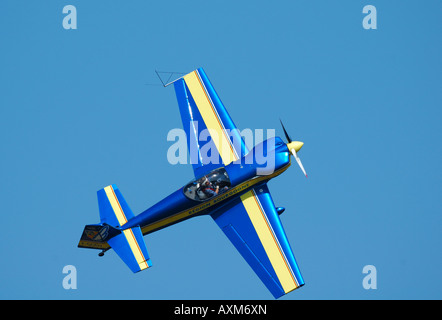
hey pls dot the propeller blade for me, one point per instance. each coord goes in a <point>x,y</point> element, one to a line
<point>293,147</point>
<point>298,160</point>
<point>285,132</point>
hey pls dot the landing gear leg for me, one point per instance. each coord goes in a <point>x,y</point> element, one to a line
<point>102,252</point>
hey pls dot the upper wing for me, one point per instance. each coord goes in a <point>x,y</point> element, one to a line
<point>253,226</point>
<point>212,138</point>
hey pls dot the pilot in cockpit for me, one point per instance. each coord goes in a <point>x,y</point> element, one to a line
<point>209,189</point>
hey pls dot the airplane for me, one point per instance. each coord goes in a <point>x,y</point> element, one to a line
<point>232,190</point>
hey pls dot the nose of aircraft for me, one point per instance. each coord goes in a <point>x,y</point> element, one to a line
<point>294,147</point>
<point>297,145</point>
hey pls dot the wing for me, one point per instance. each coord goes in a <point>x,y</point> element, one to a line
<point>212,138</point>
<point>253,226</point>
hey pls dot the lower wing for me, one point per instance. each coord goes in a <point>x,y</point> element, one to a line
<point>253,226</point>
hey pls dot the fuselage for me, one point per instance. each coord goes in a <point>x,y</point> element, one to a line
<point>217,188</point>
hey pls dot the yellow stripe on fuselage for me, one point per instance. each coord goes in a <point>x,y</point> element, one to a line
<point>121,217</point>
<point>269,241</point>
<point>207,204</point>
<point>211,118</point>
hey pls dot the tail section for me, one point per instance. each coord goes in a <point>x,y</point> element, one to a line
<point>95,236</point>
<point>128,243</point>
<point>130,247</point>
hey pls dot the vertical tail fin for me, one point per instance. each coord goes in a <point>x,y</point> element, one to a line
<point>129,243</point>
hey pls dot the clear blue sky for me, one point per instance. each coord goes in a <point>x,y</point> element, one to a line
<point>77,114</point>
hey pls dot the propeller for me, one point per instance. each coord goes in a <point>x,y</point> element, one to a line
<point>294,147</point>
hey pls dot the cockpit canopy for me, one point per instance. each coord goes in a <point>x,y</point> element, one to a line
<point>208,186</point>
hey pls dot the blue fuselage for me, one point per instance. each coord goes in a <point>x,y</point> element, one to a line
<point>264,162</point>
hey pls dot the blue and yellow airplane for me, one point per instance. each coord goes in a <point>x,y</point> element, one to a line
<point>232,190</point>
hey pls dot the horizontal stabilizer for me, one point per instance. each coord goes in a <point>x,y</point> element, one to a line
<point>130,247</point>
<point>114,210</point>
<point>127,243</point>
